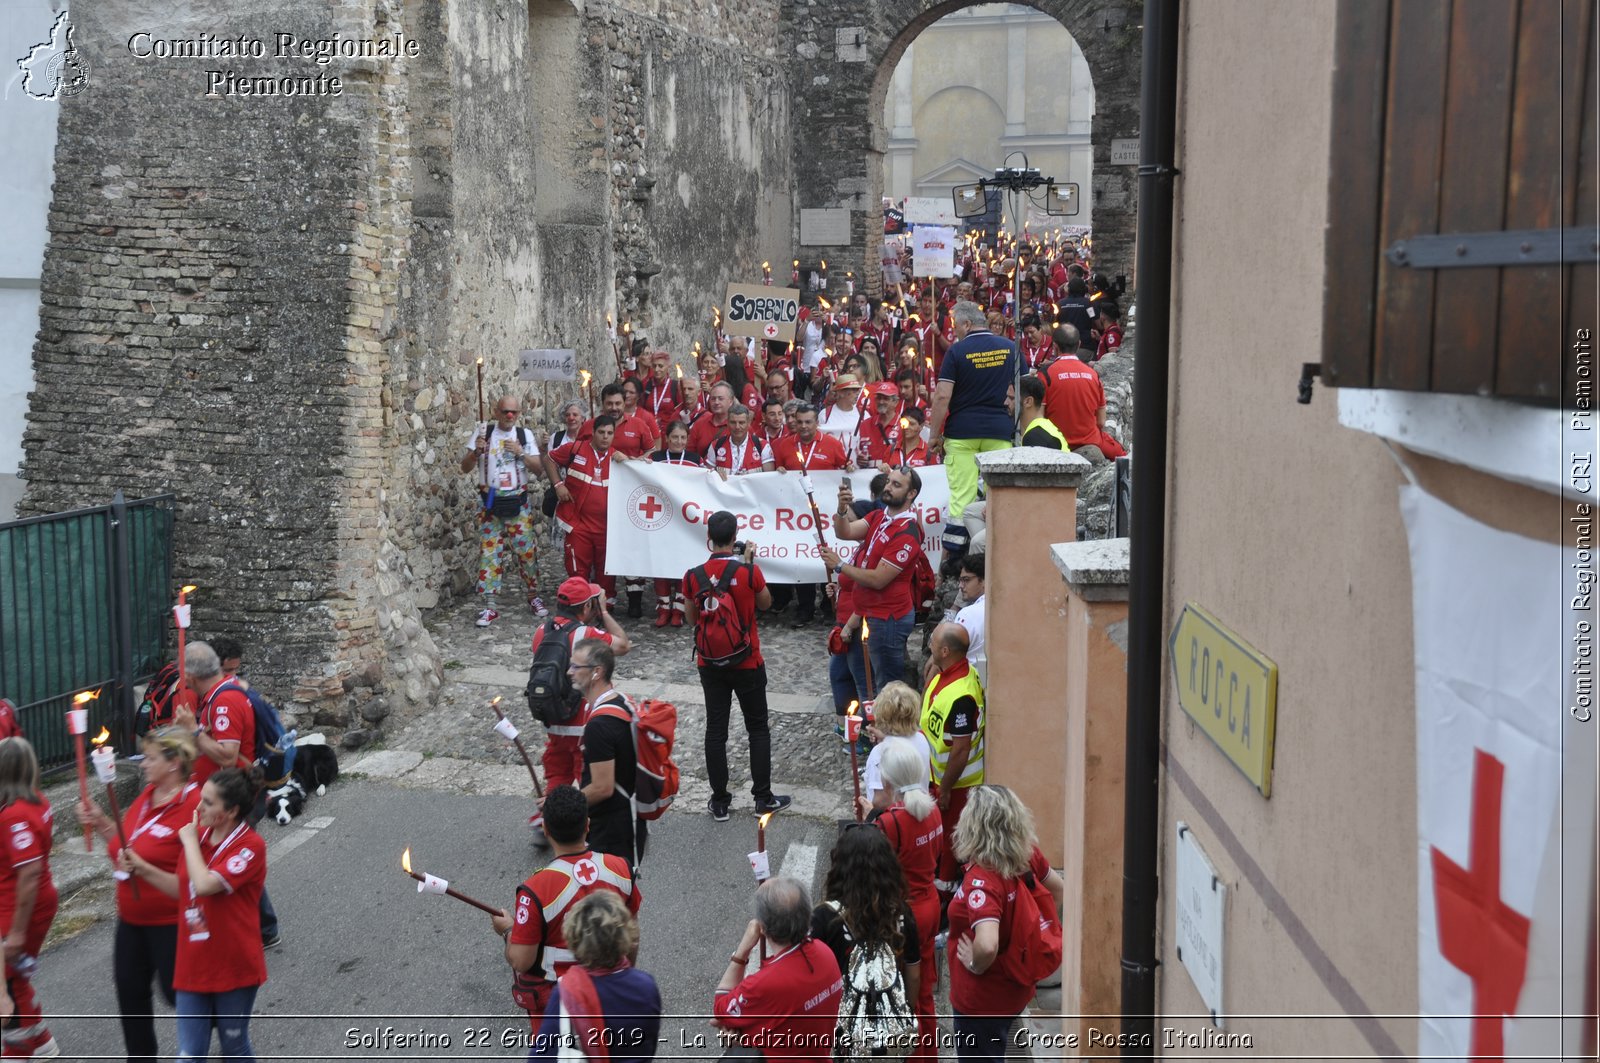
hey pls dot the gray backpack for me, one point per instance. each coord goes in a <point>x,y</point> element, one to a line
<point>876,1020</point>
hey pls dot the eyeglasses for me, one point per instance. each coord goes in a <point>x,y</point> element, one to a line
<point>510,413</point>
<point>575,665</point>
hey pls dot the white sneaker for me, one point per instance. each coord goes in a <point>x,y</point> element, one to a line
<point>537,604</point>
<point>487,617</point>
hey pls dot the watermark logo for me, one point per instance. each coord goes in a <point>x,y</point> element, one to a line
<point>54,68</point>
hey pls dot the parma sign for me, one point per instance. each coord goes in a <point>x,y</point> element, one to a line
<point>1229,689</point>
<point>760,311</point>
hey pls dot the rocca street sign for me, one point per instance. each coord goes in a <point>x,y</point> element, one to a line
<point>1229,689</point>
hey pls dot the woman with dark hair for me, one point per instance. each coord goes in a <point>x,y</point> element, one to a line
<point>27,895</point>
<point>998,849</point>
<point>221,964</point>
<point>146,942</point>
<point>866,907</point>
<point>737,375</point>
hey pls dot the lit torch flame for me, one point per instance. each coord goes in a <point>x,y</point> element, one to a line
<point>627,327</point>
<point>766,265</point>
<point>102,738</point>
<point>584,373</point>
<point>480,361</point>
<point>851,710</point>
<point>762,822</point>
<point>86,697</point>
<point>495,704</point>
<point>866,632</point>
<point>824,303</point>
<point>905,424</point>
<point>191,588</point>
<point>678,368</point>
<point>405,860</point>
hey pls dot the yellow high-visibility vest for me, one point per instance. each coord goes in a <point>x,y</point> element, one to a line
<point>937,701</point>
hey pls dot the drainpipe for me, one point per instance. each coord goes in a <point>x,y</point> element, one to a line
<point>1147,547</point>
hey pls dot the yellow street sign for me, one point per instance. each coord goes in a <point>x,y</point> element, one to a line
<point>1229,689</point>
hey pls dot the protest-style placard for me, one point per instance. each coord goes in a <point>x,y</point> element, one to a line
<point>761,312</point>
<point>547,365</point>
<point>933,251</point>
<point>891,262</point>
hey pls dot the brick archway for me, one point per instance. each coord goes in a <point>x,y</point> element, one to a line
<point>845,55</point>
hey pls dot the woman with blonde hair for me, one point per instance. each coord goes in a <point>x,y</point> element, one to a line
<point>909,818</point>
<point>895,714</point>
<point>146,943</point>
<point>996,843</point>
<point>27,895</point>
<point>602,1004</point>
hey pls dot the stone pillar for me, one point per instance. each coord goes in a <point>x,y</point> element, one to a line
<point>1033,497</point>
<point>1016,75</point>
<point>1095,702</point>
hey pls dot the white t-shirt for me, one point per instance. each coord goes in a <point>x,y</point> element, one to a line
<point>503,470</point>
<point>811,341</point>
<point>841,424</point>
<point>873,780</point>
<point>972,618</point>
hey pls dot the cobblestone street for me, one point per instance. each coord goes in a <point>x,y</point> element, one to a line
<point>454,745</point>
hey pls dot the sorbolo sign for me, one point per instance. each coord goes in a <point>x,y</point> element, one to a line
<point>762,312</point>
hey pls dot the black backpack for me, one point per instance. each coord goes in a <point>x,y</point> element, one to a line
<point>551,698</point>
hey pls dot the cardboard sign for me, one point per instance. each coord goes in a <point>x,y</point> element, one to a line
<point>930,210</point>
<point>760,312</point>
<point>890,261</point>
<point>560,364</point>
<point>933,251</point>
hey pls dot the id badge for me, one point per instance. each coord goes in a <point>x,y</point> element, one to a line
<point>505,481</point>
<point>195,920</point>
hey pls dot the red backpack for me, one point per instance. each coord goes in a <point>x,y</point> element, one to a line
<point>1031,946</point>
<point>924,586</point>
<point>655,728</point>
<point>721,636</point>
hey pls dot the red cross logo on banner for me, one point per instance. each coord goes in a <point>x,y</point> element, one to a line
<point>1478,932</point>
<point>770,331</point>
<point>650,507</point>
<point>585,872</point>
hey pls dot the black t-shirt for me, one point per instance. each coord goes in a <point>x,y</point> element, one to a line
<point>828,926</point>
<point>963,719</point>
<point>1038,437</point>
<point>608,738</point>
<point>1078,311</point>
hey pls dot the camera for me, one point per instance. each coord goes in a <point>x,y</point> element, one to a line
<point>738,547</point>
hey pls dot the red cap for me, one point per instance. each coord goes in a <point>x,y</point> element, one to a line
<point>884,387</point>
<point>577,590</point>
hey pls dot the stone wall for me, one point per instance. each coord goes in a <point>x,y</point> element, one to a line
<point>1096,518</point>
<point>274,307</point>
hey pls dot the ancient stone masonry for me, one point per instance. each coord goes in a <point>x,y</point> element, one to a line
<point>844,54</point>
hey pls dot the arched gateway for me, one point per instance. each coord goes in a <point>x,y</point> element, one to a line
<point>846,51</point>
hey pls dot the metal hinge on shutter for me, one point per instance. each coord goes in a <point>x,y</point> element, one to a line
<point>1521,247</point>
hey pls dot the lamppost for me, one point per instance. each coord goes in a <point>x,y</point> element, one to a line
<point>1058,201</point>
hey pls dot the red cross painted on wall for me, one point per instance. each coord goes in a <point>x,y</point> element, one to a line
<point>1478,932</point>
<point>650,507</point>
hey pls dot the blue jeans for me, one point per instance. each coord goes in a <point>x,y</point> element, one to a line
<point>888,647</point>
<point>981,1038</point>
<point>842,682</point>
<point>269,917</point>
<point>228,1012</point>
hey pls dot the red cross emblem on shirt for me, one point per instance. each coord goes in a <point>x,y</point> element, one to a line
<point>1478,932</point>
<point>585,872</point>
<point>650,507</point>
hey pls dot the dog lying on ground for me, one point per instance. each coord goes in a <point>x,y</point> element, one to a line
<point>315,766</point>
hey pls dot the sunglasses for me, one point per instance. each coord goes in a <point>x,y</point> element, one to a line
<point>509,413</point>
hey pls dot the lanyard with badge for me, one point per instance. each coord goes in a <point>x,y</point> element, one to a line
<point>505,477</point>
<point>885,529</point>
<point>194,916</point>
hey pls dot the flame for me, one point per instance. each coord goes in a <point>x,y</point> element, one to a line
<point>678,368</point>
<point>866,632</point>
<point>824,263</point>
<point>851,709</point>
<point>480,361</point>
<point>191,588</point>
<point>584,373</point>
<point>905,423</point>
<point>824,303</point>
<point>405,860</point>
<point>86,697</point>
<point>929,360</point>
<point>102,738</point>
<point>797,263</point>
<point>608,325</point>
<point>627,327</point>
<point>762,822</point>
<point>766,265</point>
<point>495,704</point>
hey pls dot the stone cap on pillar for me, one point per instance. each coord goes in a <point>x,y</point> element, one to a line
<point>1032,467</point>
<point>1096,570</point>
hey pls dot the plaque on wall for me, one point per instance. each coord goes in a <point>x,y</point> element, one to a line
<point>825,227</point>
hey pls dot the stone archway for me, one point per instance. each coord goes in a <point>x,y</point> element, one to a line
<point>846,52</point>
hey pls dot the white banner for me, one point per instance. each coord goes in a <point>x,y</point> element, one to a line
<point>656,515</point>
<point>933,251</point>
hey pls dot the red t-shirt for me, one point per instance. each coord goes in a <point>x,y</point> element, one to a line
<point>662,398</point>
<point>984,896</point>
<point>745,584</point>
<point>1110,340</point>
<point>226,716</point>
<point>153,835</point>
<point>637,434</point>
<point>823,452</point>
<point>897,541</point>
<point>788,1008</point>
<point>219,937</point>
<point>25,838</point>
<point>588,478</point>
<point>877,443</point>
<point>1072,397</point>
<point>918,844</point>
<point>577,632</point>
<point>706,431</point>
<point>738,458</point>
<point>917,457</point>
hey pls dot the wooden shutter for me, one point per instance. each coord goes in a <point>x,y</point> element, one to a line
<point>1467,118</point>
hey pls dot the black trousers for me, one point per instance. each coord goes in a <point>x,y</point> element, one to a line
<point>720,686</point>
<point>619,834</point>
<point>140,954</point>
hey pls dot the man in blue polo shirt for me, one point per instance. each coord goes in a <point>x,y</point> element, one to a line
<point>969,413</point>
